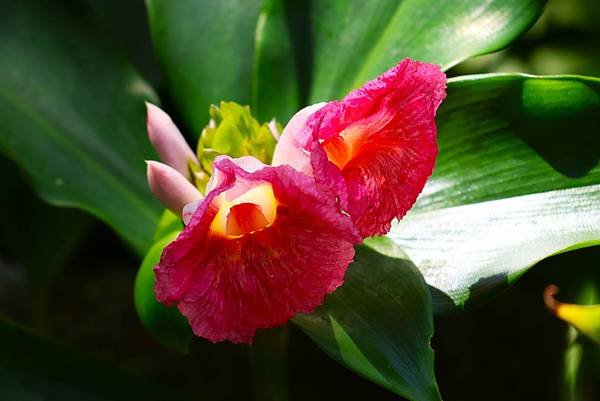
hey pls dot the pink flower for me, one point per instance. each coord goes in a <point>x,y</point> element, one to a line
<point>263,245</point>
<point>374,149</point>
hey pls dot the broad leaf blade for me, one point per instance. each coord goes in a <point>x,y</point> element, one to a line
<point>355,41</point>
<point>379,324</point>
<point>72,115</point>
<point>205,49</point>
<point>517,180</point>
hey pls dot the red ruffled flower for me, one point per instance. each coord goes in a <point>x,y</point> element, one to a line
<point>263,245</point>
<point>374,149</point>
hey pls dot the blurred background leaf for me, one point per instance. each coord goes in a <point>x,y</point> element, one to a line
<point>36,369</point>
<point>347,54</point>
<point>72,114</point>
<point>563,41</point>
<point>517,180</point>
<point>275,91</point>
<point>126,22</point>
<point>43,238</point>
<point>205,49</point>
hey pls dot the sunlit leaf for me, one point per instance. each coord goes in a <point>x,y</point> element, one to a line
<point>517,180</point>
<point>356,40</point>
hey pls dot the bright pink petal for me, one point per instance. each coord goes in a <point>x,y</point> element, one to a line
<point>377,147</point>
<point>290,147</point>
<point>230,286</point>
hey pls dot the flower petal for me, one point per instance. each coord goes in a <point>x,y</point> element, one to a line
<point>290,149</point>
<point>377,147</point>
<point>230,286</point>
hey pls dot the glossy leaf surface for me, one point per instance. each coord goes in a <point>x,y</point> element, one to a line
<point>355,41</point>
<point>517,180</point>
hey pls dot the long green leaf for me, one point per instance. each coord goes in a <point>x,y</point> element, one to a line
<point>33,368</point>
<point>356,40</point>
<point>275,90</point>
<point>379,324</point>
<point>72,115</point>
<point>205,49</point>
<point>517,180</point>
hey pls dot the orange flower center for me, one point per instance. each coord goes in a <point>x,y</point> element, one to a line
<point>250,212</point>
<point>341,149</point>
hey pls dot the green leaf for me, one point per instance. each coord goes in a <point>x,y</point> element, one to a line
<point>168,223</point>
<point>233,131</point>
<point>164,323</point>
<point>72,115</point>
<point>205,49</point>
<point>275,91</point>
<point>355,41</point>
<point>379,323</point>
<point>517,180</point>
<point>33,368</point>
<point>53,233</point>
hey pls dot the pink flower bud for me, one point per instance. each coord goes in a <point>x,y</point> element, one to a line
<point>170,187</point>
<point>168,141</point>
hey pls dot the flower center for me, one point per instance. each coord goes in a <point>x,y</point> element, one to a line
<point>250,212</point>
<point>342,148</point>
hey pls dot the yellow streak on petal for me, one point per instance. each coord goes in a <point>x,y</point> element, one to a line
<point>341,149</point>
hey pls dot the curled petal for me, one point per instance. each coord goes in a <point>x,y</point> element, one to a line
<point>264,244</point>
<point>585,318</point>
<point>377,146</point>
<point>170,187</point>
<point>291,148</point>
<point>168,141</point>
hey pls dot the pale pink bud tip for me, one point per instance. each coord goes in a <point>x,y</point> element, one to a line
<point>168,141</point>
<point>170,187</point>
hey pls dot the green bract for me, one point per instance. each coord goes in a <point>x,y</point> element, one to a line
<point>233,131</point>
